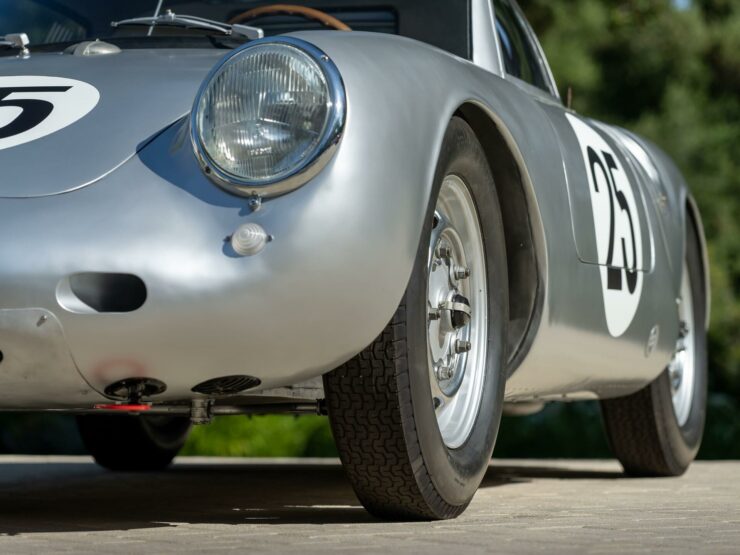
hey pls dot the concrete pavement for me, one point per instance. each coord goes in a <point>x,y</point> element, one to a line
<point>68,505</point>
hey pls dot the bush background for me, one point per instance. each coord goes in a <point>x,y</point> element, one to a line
<point>668,70</point>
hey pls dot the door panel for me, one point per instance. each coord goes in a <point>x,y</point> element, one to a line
<point>614,205</point>
<point>656,195</point>
<point>610,222</point>
<point>609,321</point>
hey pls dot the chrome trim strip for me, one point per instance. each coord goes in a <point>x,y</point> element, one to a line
<point>313,164</point>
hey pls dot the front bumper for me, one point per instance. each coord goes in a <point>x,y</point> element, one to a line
<point>36,362</point>
<point>318,294</point>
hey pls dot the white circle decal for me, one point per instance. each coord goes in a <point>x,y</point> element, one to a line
<point>617,227</point>
<point>33,106</point>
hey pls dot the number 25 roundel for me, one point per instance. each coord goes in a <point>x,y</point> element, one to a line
<point>33,106</point>
<point>617,227</point>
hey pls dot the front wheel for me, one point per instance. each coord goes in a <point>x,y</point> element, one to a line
<point>124,442</point>
<point>416,414</point>
<point>657,431</point>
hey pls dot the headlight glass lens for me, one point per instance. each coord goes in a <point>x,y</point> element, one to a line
<point>264,113</point>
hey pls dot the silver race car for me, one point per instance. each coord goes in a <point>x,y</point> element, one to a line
<point>376,210</point>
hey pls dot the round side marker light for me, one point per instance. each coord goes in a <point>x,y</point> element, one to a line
<point>249,239</point>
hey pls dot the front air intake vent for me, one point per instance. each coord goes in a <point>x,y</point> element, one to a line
<point>101,292</point>
<point>227,385</point>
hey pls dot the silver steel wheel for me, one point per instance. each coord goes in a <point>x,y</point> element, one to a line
<point>457,325</point>
<point>682,370</point>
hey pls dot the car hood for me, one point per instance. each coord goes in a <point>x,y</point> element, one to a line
<point>66,120</point>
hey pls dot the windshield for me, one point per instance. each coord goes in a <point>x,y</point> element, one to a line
<point>64,21</point>
<point>54,24</point>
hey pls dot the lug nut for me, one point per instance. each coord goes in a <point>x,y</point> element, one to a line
<point>462,272</point>
<point>444,372</point>
<point>444,252</point>
<point>434,315</point>
<point>462,346</point>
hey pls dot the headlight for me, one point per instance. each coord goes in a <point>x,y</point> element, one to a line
<point>268,117</point>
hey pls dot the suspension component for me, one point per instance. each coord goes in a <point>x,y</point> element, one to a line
<point>201,411</point>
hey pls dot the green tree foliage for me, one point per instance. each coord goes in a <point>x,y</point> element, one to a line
<point>263,436</point>
<point>673,76</point>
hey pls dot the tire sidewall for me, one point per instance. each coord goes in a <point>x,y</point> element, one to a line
<point>457,473</point>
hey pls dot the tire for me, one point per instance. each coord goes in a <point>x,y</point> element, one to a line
<point>649,432</point>
<point>133,443</point>
<point>380,403</point>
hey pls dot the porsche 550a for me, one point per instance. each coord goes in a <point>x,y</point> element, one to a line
<point>376,210</point>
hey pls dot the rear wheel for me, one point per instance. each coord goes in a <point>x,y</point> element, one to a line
<point>657,431</point>
<point>416,414</point>
<point>133,443</point>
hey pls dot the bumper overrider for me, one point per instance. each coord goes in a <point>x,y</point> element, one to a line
<point>136,277</point>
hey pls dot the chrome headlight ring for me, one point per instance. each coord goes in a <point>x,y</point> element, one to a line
<point>314,160</point>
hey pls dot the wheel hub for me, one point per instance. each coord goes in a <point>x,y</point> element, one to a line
<point>449,312</point>
<point>681,369</point>
<point>457,312</point>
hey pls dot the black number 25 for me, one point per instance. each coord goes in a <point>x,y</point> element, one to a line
<point>614,275</point>
<point>34,110</point>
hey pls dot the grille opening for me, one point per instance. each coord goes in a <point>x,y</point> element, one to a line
<point>98,292</point>
<point>226,385</point>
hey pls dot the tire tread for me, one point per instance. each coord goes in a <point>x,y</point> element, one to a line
<point>369,398</point>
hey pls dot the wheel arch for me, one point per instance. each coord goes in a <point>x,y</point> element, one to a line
<point>524,234</point>
<point>693,217</point>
